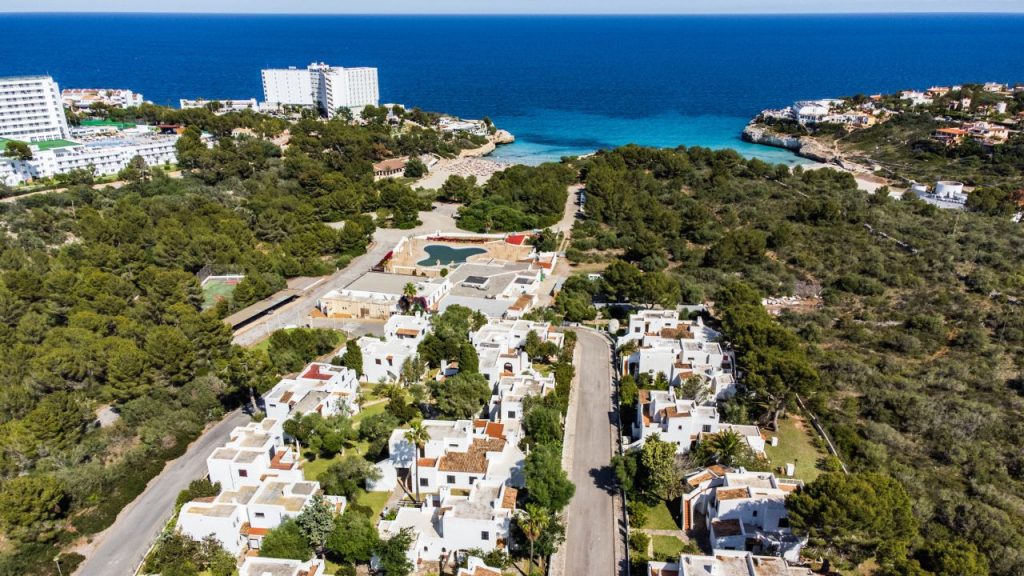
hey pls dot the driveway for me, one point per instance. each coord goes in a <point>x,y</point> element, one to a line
<point>593,540</point>
<point>120,549</point>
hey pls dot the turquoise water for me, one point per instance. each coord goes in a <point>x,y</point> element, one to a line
<point>444,255</point>
<point>547,135</point>
<point>561,84</point>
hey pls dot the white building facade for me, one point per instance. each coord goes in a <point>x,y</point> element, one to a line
<point>31,109</point>
<point>326,87</point>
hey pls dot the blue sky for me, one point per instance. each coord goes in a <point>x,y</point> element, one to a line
<point>514,6</point>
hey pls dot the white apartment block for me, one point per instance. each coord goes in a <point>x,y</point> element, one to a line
<point>253,453</point>
<point>31,109</point>
<point>256,566</point>
<point>499,346</point>
<point>506,404</point>
<point>322,388</point>
<point>353,88</point>
<point>683,422</point>
<point>383,358</point>
<point>744,511</point>
<point>326,87</point>
<point>680,350</point>
<point>239,519</point>
<point>103,157</point>
<point>725,563</point>
<point>458,455</point>
<point>448,522</point>
<point>288,87</point>
<point>84,98</point>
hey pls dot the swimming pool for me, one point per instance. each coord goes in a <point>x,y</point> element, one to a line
<point>444,255</point>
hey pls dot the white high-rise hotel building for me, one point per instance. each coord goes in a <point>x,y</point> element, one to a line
<point>31,109</point>
<point>326,87</point>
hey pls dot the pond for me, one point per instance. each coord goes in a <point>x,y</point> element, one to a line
<point>439,253</point>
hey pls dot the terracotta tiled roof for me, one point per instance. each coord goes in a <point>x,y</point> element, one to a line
<point>407,332</point>
<point>697,479</point>
<point>732,493</point>
<point>645,396</point>
<point>481,571</point>
<point>509,499</point>
<point>389,164</point>
<point>495,430</point>
<point>286,396</point>
<point>426,462</point>
<point>731,527</point>
<point>474,460</point>
<point>314,373</point>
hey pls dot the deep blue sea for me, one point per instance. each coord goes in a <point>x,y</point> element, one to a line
<point>562,85</point>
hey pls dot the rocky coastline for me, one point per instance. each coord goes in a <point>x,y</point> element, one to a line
<point>804,146</point>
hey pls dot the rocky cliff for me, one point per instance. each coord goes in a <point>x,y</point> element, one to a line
<point>503,137</point>
<point>805,146</point>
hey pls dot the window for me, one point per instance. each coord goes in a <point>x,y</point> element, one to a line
<point>755,514</point>
<point>485,535</point>
<point>243,473</point>
<point>511,414</point>
<point>424,481</point>
<point>472,479</point>
<point>451,479</point>
<point>260,515</point>
<point>783,522</point>
<point>377,361</point>
<point>706,428</point>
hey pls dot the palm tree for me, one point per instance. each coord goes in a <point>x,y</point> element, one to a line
<point>409,293</point>
<point>418,436</point>
<point>724,447</point>
<point>533,521</point>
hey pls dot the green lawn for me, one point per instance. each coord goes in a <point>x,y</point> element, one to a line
<point>373,501</point>
<point>667,548</point>
<point>312,470</point>
<point>367,412</point>
<point>796,446</point>
<point>661,518</point>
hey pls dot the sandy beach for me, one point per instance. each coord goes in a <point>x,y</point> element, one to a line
<point>469,163</point>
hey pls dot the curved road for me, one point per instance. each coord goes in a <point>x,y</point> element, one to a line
<point>120,549</point>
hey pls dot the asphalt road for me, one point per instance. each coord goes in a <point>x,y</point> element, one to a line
<point>120,549</point>
<point>591,538</point>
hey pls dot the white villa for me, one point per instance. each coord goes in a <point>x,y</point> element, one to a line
<point>726,563</point>
<point>679,350</point>
<point>383,357</point>
<point>239,519</point>
<point>322,388</point>
<point>253,452</point>
<point>506,404</point>
<point>684,421</point>
<point>499,346</point>
<point>448,522</point>
<point>744,511</point>
<point>459,454</point>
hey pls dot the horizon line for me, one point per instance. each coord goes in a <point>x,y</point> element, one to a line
<point>499,14</point>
